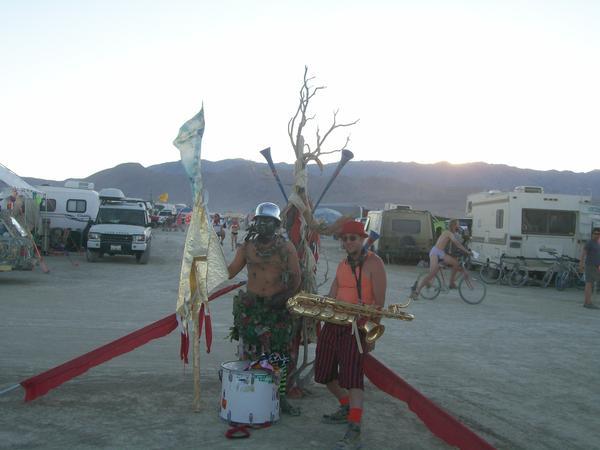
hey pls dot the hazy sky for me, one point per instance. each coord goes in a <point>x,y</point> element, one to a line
<point>86,85</point>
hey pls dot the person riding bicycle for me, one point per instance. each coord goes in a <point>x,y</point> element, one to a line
<point>438,255</point>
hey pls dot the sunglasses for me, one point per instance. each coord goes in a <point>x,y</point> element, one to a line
<point>351,238</point>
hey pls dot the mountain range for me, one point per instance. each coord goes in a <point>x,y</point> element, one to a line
<point>238,184</point>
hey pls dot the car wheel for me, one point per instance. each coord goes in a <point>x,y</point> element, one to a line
<point>91,255</point>
<point>143,258</point>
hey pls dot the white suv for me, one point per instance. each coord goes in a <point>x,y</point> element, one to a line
<point>121,228</point>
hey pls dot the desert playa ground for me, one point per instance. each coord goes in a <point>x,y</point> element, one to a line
<point>521,369</point>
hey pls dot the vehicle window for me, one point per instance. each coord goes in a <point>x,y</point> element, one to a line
<point>76,206</point>
<point>541,221</point>
<point>48,204</point>
<point>164,213</point>
<point>407,226</point>
<point>122,216</point>
<point>499,218</point>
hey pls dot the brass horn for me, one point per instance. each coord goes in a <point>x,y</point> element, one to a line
<point>267,155</point>
<point>331,310</point>
<point>347,155</point>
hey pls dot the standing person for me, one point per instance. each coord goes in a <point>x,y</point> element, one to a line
<point>223,227</point>
<point>262,323</point>
<point>590,254</point>
<point>218,227</point>
<point>235,228</point>
<point>360,279</point>
<point>438,255</point>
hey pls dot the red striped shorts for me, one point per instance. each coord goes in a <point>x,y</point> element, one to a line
<point>338,357</point>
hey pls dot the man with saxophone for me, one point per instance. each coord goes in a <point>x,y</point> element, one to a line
<point>360,279</point>
<point>262,323</point>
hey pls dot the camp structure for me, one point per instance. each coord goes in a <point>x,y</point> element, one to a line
<point>20,198</point>
<point>527,221</point>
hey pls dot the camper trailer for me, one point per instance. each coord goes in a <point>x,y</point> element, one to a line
<point>527,221</point>
<point>71,206</point>
<point>404,233</point>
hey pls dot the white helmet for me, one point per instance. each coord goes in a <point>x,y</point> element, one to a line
<point>268,209</point>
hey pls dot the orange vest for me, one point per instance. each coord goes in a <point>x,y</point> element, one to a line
<point>346,284</point>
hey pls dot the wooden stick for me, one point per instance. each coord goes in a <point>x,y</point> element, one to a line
<point>196,364</point>
<point>42,263</point>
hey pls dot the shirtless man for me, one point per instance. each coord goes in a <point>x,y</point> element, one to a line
<point>262,323</point>
<point>437,255</point>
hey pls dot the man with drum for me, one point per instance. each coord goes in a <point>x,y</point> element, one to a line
<point>360,279</point>
<point>262,323</point>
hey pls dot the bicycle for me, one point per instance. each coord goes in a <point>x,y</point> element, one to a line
<point>470,289</point>
<point>565,272</point>
<point>514,274</point>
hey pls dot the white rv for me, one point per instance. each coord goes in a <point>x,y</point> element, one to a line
<point>524,222</point>
<point>71,206</point>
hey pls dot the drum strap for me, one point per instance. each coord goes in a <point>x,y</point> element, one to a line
<point>241,431</point>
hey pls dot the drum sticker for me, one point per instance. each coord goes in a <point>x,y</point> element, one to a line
<point>223,401</point>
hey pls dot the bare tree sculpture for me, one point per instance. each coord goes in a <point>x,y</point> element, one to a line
<point>298,216</point>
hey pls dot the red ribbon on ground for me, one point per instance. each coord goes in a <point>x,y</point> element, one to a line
<point>40,384</point>
<point>439,422</point>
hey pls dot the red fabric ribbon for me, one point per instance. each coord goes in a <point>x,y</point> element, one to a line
<point>40,384</point>
<point>184,348</point>
<point>439,422</point>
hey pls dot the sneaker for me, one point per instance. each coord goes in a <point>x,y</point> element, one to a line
<point>351,439</point>
<point>453,286</point>
<point>590,306</point>
<point>339,416</point>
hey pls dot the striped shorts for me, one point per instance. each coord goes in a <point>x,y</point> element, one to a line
<point>338,357</point>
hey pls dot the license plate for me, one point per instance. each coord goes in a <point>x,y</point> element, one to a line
<point>115,247</point>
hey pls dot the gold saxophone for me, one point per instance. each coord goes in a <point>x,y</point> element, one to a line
<point>331,310</point>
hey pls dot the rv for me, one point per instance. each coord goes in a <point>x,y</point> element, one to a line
<point>404,233</point>
<point>528,221</point>
<point>71,206</point>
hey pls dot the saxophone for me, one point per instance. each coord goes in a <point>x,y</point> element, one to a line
<point>331,310</point>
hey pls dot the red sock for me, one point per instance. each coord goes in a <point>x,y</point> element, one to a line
<point>344,401</point>
<point>355,415</point>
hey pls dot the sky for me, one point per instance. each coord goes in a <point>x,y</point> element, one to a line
<point>86,85</point>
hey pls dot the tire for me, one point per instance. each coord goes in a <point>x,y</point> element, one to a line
<point>580,281</point>
<point>143,258</point>
<point>431,292</point>
<point>518,276</point>
<point>490,273</point>
<point>472,290</point>
<point>91,256</point>
<point>548,277</point>
<point>562,281</point>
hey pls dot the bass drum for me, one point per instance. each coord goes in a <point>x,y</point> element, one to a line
<point>248,396</point>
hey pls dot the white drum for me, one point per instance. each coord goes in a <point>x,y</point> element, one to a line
<point>248,396</point>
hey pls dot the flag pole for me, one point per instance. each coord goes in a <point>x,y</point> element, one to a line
<point>196,368</point>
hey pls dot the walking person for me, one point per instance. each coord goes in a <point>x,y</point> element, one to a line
<point>590,255</point>
<point>360,279</point>
<point>235,229</point>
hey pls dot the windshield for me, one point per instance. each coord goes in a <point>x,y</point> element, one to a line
<point>121,216</point>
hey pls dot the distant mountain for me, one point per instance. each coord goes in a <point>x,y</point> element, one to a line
<point>238,184</point>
